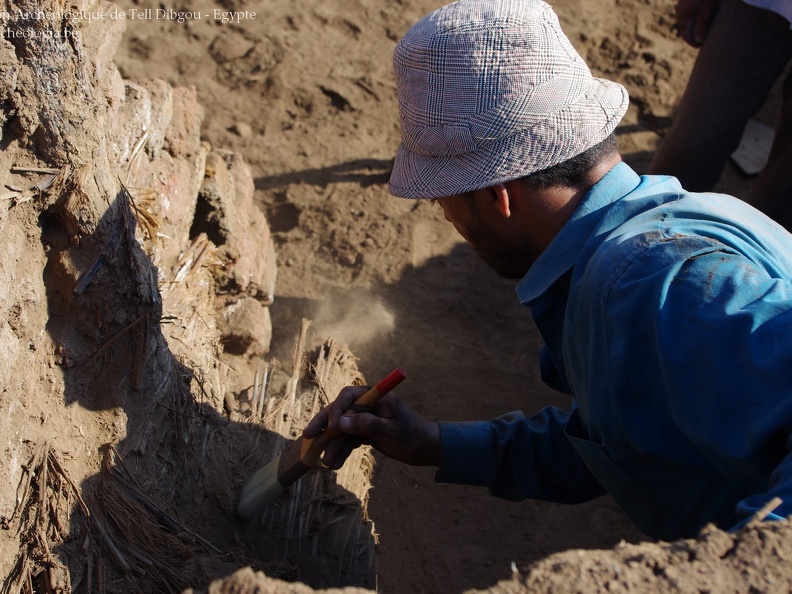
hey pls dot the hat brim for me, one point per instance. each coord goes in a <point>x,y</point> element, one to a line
<point>575,128</point>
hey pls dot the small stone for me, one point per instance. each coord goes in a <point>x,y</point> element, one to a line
<point>227,48</point>
<point>242,130</point>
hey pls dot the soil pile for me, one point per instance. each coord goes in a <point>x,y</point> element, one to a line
<point>755,560</point>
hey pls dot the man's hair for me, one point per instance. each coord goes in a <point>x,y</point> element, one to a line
<point>574,172</point>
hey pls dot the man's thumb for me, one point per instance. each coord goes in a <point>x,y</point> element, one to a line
<point>345,424</point>
<point>361,425</point>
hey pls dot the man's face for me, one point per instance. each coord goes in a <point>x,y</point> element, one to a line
<point>476,219</point>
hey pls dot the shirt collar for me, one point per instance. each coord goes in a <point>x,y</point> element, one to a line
<point>566,246</point>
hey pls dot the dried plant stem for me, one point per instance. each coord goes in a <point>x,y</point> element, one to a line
<point>34,170</point>
<point>254,403</point>
<point>121,332</point>
<point>111,547</point>
<point>48,493</point>
<point>764,511</point>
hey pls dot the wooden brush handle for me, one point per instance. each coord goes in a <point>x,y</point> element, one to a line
<point>312,449</point>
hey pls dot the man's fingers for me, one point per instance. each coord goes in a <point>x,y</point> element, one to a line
<point>685,20</point>
<point>363,425</point>
<point>694,18</point>
<point>347,445</point>
<point>357,429</point>
<point>315,426</point>
<point>703,20</point>
<point>687,33</point>
<point>346,398</point>
<point>329,415</point>
<point>338,450</point>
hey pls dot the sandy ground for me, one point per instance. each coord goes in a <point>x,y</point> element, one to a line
<point>304,91</point>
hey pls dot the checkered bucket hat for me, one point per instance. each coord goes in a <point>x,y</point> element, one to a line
<point>490,91</point>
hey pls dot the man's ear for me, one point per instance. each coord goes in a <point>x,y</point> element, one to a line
<point>502,200</point>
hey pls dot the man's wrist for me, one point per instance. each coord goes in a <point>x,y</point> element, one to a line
<point>431,450</point>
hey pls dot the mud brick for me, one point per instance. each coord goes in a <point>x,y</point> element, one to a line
<point>175,181</point>
<point>161,94</point>
<point>183,137</point>
<point>246,327</point>
<point>227,213</point>
<point>114,89</point>
<point>134,119</point>
<point>101,39</point>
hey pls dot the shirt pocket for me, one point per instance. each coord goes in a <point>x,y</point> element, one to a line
<point>638,499</point>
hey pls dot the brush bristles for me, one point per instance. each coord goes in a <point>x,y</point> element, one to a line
<point>261,490</point>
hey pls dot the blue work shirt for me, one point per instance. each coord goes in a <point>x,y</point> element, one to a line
<point>667,316</point>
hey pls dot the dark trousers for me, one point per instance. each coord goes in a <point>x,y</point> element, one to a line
<point>743,55</point>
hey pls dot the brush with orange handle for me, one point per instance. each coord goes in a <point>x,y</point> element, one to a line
<point>300,456</point>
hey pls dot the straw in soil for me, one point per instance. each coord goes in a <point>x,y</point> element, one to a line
<point>43,513</point>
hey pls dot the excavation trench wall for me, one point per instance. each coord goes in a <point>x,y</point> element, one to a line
<point>136,278</point>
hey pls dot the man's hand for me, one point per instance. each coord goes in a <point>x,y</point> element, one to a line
<point>395,430</point>
<point>694,18</point>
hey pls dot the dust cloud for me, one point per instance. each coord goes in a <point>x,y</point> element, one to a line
<point>354,317</point>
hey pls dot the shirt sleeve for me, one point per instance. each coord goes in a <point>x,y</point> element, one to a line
<point>517,457</point>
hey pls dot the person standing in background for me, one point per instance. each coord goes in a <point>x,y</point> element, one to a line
<point>745,48</point>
